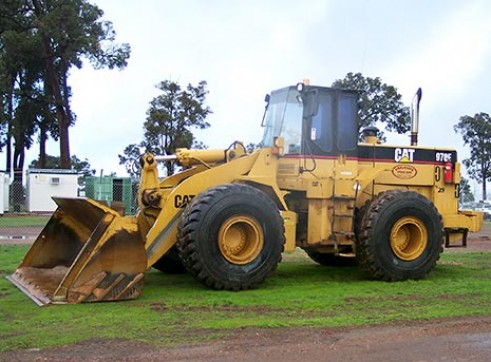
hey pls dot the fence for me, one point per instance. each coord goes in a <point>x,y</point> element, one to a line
<point>20,224</point>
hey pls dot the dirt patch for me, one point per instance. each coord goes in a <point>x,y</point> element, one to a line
<point>479,241</point>
<point>463,339</point>
<point>19,235</point>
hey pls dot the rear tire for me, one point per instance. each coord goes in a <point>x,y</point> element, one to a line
<point>231,237</point>
<point>401,236</point>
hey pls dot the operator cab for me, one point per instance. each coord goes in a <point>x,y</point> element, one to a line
<point>312,120</point>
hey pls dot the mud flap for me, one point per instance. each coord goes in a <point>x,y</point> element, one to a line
<point>87,252</point>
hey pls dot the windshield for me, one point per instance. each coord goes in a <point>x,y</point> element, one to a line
<point>284,118</point>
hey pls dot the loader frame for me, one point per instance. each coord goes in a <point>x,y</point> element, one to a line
<point>228,215</point>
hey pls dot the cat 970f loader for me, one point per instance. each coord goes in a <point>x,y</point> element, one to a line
<point>228,216</point>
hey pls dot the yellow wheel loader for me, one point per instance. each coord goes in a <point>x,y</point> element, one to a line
<point>228,216</point>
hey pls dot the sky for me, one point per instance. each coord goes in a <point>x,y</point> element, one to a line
<point>246,48</point>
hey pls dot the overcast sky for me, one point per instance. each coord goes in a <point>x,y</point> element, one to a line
<point>244,49</point>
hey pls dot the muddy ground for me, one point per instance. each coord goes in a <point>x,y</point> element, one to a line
<point>463,339</point>
<point>459,339</point>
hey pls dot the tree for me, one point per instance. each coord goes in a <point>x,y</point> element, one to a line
<point>20,83</point>
<point>53,162</point>
<point>130,158</point>
<point>170,120</point>
<point>251,147</point>
<point>378,102</point>
<point>465,192</point>
<point>476,132</point>
<point>68,31</point>
<point>40,41</point>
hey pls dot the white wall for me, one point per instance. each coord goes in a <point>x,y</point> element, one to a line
<point>4,192</point>
<point>42,186</point>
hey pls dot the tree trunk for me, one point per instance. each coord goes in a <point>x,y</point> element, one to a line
<point>10,110</point>
<point>54,83</point>
<point>17,189</point>
<point>66,93</point>
<point>484,187</point>
<point>42,145</point>
<point>170,168</point>
<point>8,154</point>
<point>19,157</point>
<point>44,125</point>
<point>61,115</point>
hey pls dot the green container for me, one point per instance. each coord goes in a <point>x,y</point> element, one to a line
<point>109,189</point>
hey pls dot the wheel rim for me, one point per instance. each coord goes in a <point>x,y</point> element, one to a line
<point>240,239</point>
<point>408,238</point>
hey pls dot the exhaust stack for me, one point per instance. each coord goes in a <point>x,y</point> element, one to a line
<point>415,117</point>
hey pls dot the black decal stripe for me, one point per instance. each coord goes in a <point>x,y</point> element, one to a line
<point>386,154</point>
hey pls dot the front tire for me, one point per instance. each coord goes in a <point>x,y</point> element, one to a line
<point>231,237</point>
<point>401,236</point>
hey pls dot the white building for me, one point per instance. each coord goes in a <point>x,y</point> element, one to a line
<point>4,192</point>
<point>41,185</point>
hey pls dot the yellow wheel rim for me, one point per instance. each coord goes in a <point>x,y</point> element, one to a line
<point>408,238</point>
<point>240,239</point>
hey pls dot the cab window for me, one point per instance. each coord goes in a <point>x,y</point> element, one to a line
<point>321,127</point>
<point>347,123</point>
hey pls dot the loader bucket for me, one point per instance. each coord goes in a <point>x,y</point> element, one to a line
<point>85,253</point>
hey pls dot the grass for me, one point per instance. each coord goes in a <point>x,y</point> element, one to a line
<point>176,309</point>
<point>23,220</point>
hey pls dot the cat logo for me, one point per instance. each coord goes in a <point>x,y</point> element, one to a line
<point>404,155</point>
<point>181,201</point>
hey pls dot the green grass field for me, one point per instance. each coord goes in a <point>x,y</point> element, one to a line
<point>176,309</point>
<point>23,220</point>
